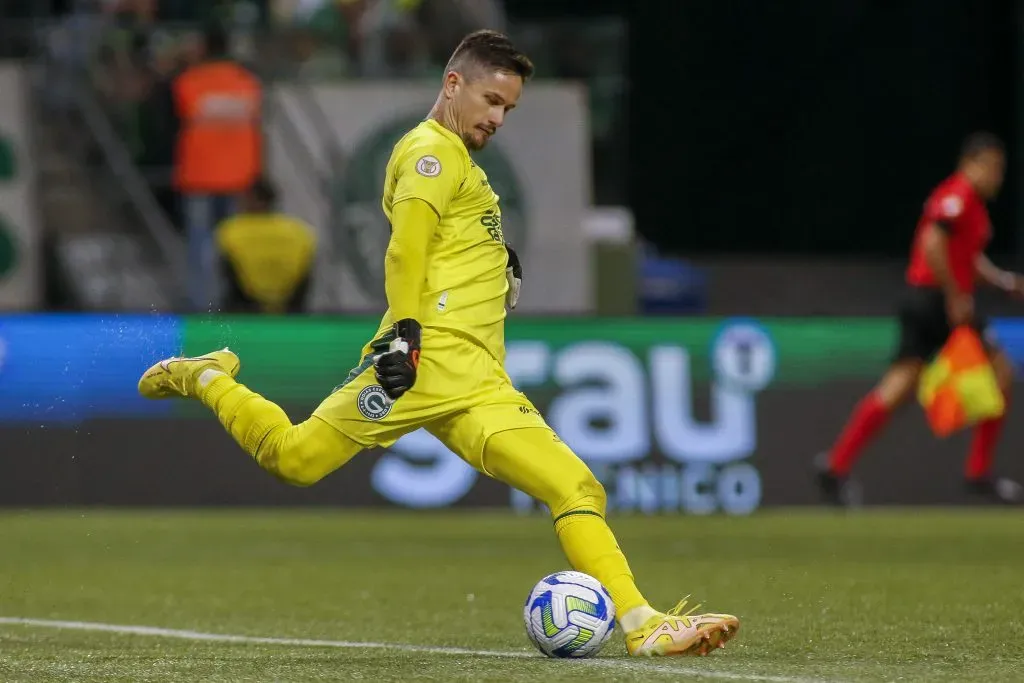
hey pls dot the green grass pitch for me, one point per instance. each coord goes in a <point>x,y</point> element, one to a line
<point>878,596</point>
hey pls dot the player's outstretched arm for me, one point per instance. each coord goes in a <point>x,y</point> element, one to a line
<point>414,223</point>
<point>405,263</point>
<point>993,276</point>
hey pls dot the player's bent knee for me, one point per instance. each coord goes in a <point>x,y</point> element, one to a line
<point>293,467</point>
<point>301,456</point>
<point>286,457</point>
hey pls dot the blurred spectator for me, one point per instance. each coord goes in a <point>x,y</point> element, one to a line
<point>446,22</point>
<point>70,46</point>
<point>312,61</point>
<point>218,152</point>
<point>385,38</point>
<point>393,43</point>
<point>330,26</point>
<point>158,125</point>
<point>191,48</point>
<point>266,257</point>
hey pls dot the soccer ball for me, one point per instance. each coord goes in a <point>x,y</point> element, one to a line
<point>569,614</point>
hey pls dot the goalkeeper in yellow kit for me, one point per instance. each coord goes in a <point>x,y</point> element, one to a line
<point>437,360</point>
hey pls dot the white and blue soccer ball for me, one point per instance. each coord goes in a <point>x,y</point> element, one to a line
<point>569,614</point>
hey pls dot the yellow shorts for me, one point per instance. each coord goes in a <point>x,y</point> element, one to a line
<point>462,395</point>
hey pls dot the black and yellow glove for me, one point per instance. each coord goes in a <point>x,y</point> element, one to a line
<point>396,368</point>
<point>514,275</point>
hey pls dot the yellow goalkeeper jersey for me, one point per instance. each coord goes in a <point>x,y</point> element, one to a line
<point>465,282</point>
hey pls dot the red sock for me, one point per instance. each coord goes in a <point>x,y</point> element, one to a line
<point>983,448</point>
<point>868,418</point>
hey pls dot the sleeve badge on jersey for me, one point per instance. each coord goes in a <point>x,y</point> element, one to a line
<point>428,166</point>
<point>952,206</point>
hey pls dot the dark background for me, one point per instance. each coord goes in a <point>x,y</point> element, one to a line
<point>808,127</point>
<point>812,127</point>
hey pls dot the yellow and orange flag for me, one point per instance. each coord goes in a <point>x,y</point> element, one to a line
<point>959,388</point>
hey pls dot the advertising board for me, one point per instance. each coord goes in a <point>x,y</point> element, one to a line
<point>694,415</point>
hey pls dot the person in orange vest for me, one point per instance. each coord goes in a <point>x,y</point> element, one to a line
<point>218,154</point>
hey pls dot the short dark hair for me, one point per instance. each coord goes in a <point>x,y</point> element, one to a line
<point>216,40</point>
<point>263,191</point>
<point>979,142</point>
<point>491,49</point>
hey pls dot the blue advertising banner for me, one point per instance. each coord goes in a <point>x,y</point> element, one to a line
<point>69,368</point>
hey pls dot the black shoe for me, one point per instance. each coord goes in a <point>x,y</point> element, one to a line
<point>836,489</point>
<point>996,490</point>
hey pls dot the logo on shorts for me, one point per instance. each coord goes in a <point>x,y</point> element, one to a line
<point>373,403</point>
<point>428,166</point>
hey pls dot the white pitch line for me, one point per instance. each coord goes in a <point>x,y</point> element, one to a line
<point>401,647</point>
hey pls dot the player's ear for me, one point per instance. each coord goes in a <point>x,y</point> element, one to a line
<point>452,81</point>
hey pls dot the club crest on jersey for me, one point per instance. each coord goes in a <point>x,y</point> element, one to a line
<point>428,166</point>
<point>373,403</point>
<point>952,206</point>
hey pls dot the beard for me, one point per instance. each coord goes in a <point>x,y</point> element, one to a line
<point>474,144</point>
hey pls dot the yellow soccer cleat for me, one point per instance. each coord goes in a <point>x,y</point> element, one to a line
<point>176,377</point>
<point>681,633</point>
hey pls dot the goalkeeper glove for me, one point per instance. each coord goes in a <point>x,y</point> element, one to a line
<point>514,275</point>
<point>396,368</point>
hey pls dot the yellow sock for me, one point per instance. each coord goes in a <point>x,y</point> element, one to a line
<point>545,468</point>
<point>591,548</point>
<point>247,416</point>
